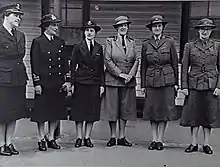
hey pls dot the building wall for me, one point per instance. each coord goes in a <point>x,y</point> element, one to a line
<point>29,26</point>
<point>104,13</point>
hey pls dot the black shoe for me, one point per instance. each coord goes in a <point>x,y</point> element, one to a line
<point>152,146</point>
<point>159,146</point>
<point>13,150</point>
<point>88,143</point>
<point>207,149</point>
<point>52,144</point>
<point>5,151</point>
<point>124,142</point>
<point>192,148</point>
<point>78,143</point>
<point>42,145</point>
<point>111,142</point>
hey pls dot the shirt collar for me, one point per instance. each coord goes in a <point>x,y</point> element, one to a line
<point>49,37</point>
<point>88,42</point>
<point>120,36</point>
<point>9,29</point>
<point>158,37</point>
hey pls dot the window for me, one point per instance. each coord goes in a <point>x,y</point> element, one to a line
<point>71,20</point>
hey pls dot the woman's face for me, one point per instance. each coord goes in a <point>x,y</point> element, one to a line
<point>157,29</point>
<point>52,29</point>
<point>123,29</point>
<point>205,32</point>
<point>90,33</point>
<point>13,19</point>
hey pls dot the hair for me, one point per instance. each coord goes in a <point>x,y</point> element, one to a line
<point>5,14</point>
<point>116,27</point>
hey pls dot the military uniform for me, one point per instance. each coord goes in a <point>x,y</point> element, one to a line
<point>200,74</point>
<point>87,70</point>
<point>13,77</point>
<point>119,100</point>
<point>159,74</point>
<point>49,63</point>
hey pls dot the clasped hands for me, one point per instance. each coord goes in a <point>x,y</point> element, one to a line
<point>126,77</point>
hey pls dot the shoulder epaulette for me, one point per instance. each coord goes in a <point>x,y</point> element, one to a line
<point>145,40</point>
<point>129,38</point>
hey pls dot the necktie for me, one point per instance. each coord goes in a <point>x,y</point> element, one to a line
<point>123,43</point>
<point>91,47</point>
<point>51,38</point>
<point>13,32</point>
<point>157,41</point>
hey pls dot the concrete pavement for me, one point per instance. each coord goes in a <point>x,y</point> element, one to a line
<point>176,139</point>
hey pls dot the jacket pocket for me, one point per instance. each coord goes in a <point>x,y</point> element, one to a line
<point>169,77</point>
<point>5,75</point>
<point>192,82</point>
<point>150,77</point>
<point>212,83</point>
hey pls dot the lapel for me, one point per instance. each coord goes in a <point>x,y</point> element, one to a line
<point>129,46</point>
<point>199,45</point>
<point>118,43</point>
<point>95,49</point>
<point>153,42</point>
<point>85,48</point>
<point>161,42</point>
<point>7,34</point>
<point>209,44</point>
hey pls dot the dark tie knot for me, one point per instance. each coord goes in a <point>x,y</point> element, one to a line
<point>13,31</point>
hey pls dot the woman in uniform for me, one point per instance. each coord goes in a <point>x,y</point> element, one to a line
<point>87,70</point>
<point>201,84</point>
<point>13,77</point>
<point>50,76</point>
<point>119,100</point>
<point>159,77</point>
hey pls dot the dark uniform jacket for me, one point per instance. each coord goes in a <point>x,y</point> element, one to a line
<point>87,68</point>
<point>159,63</point>
<point>49,62</point>
<point>12,52</point>
<point>200,65</point>
<point>117,61</point>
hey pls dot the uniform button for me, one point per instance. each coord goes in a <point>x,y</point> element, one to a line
<point>48,52</point>
<point>61,46</point>
<point>92,70</point>
<point>7,46</point>
<point>91,76</point>
<point>50,74</point>
<point>18,63</point>
<point>59,51</point>
<point>49,66</point>
<point>126,60</point>
<point>59,65</point>
<point>59,73</point>
<point>58,58</point>
<point>50,59</point>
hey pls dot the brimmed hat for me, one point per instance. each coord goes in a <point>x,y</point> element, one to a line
<point>14,8</point>
<point>91,24</point>
<point>155,20</point>
<point>121,20</point>
<point>49,18</point>
<point>205,23</point>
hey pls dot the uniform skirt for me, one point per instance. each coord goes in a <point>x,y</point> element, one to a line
<point>49,106</point>
<point>160,104</point>
<point>119,103</point>
<point>201,108</point>
<point>12,103</point>
<point>86,103</point>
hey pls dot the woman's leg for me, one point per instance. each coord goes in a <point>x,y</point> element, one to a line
<point>112,126</point>
<point>122,125</point>
<point>41,136</point>
<point>154,130</point>
<point>10,128</point>
<point>88,129</point>
<point>52,125</point>
<point>2,134</point>
<point>79,131</point>
<point>194,135</point>
<point>206,148</point>
<point>161,129</point>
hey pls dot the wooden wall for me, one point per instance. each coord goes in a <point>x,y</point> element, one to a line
<point>29,26</point>
<point>104,13</point>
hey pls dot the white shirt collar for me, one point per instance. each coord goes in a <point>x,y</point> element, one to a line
<point>158,37</point>
<point>49,37</point>
<point>9,29</point>
<point>120,38</point>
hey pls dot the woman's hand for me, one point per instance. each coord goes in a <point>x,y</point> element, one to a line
<point>102,89</point>
<point>143,90</point>
<point>38,89</point>
<point>128,79</point>
<point>216,92</point>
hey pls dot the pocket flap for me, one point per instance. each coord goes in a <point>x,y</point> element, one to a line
<point>167,70</point>
<point>5,69</point>
<point>150,72</point>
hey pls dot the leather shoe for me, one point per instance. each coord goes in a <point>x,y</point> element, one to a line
<point>111,142</point>
<point>13,150</point>
<point>159,146</point>
<point>42,145</point>
<point>52,144</point>
<point>152,146</point>
<point>124,142</point>
<point>78,143</point>
<point>88,143</point>
<point>207,149</point>
<point>5,151</point>
<point>191,148</point>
